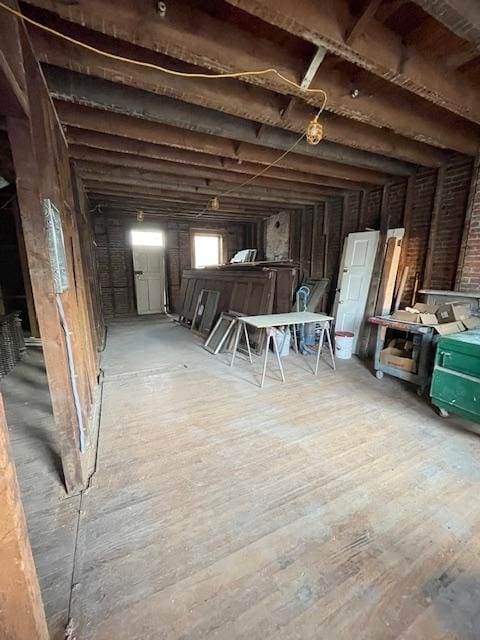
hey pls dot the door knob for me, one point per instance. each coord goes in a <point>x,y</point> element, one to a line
<point>139,273</point>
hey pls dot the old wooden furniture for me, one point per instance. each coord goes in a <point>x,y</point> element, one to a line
<point>271,321</point>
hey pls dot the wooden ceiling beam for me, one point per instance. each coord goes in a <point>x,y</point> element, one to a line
<point>74,87</point>
<point>139,178</point>
<point>230,49</point>
<point>88,126</point>
<point>153,216</point>
<point>379,50</point>
<point>460,16</point>
<point>179,171</point>
<point>169,160</point>
<point>97,189</point>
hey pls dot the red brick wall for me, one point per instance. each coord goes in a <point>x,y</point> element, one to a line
<point>469,275</point>
<point>449,227</point>
<point>416,247</point>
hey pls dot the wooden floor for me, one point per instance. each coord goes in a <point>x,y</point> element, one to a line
<point>336,507</point>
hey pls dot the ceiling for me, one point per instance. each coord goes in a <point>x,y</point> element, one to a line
<point>402,80</point>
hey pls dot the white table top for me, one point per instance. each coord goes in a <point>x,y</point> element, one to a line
<point>282,319</point>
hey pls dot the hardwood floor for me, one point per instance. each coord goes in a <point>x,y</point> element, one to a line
<point>331,507</point>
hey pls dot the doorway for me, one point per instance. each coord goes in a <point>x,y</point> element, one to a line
<point>148,249</point>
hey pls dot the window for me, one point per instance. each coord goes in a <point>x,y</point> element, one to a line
<point>147,238</point>
<point>207,250</point>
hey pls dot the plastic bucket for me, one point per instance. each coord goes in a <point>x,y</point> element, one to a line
<point>343,344</point>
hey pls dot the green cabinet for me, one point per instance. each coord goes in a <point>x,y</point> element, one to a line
<point>456,376</point>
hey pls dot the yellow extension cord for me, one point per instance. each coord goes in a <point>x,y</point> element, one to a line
<point>184,74</point>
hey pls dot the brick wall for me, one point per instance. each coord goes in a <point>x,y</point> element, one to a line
<point>115,264</point>
<point>469,273</point>
<point>449,228</point>
<point>419,228</point>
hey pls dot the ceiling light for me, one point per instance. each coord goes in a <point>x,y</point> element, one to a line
<point>215,203</point>
<point>314,132</point>
<point>140,216</point>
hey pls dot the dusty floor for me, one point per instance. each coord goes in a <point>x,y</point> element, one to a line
<point>331,507</point>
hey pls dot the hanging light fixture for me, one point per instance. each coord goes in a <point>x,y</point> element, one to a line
<point>314,132</point>
<point>140,216</point>
<point>215,203</point>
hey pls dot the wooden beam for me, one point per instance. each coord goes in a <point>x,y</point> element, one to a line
<point>432,235</point>
<point>460,16</point>
<point>14,102</point>
<point>74,87</point>
<point>171,163</point>
<point>108,174</point>
<point>21,610</point>
<point>34,233</point>
<point>148,170</point>
<point>220,49</point>
<point>380,50</point>
<point>96,128</point>
<point>233,97</point>
<point>361,22</point>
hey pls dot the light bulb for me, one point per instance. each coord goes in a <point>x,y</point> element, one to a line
<point>314,132</point>
<point>215,203</point>
<point>140,216</point>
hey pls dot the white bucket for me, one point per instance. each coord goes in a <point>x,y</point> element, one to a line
<point>343,344</point>
<point>283,341</point>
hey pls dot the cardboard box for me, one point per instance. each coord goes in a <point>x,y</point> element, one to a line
<point>394,358</point>
<point>426,308</point>
<point>453,312</point>
<point>471,323</point>
<point>428,318</point>
<point>446,328</point>
<point>406,316</point>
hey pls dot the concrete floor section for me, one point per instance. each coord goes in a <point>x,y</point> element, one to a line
<point>337,506</point>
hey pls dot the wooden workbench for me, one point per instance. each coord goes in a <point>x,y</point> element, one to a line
<point>425,353</point>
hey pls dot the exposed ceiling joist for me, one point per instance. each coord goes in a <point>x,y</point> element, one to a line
<point>82,145</point>
<point>220,48</point>
<point>236,98</point>
<point>460,16</point>
<point>187,184</point>
<point>184,171</point>
<point>378,50</point>
<point>86,123</point>
<point>102,94</point>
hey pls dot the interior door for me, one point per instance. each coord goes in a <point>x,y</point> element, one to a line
<point>149,269</point>
<point>354,281</point>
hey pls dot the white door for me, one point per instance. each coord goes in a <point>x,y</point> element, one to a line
<point>149,269</point>
<point>354,281</point>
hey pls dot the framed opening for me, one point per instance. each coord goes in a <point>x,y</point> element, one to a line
<point>144,238</point>
<point>207,249</point>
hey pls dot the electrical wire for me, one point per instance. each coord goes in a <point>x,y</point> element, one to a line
<point>151,65</point>
<point>184,74</point>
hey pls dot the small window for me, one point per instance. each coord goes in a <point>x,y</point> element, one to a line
<point>147,238</point>
<point>207,250</point>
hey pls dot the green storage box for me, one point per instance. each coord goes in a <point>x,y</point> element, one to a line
<point>456,376</point>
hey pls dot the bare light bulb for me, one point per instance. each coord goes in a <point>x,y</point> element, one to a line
<point>140,216</point>
<point>215,203</point>
<point>314,132</point>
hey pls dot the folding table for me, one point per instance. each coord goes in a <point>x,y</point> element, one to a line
<point>274,320</point>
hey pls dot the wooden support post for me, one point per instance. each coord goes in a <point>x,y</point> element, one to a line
<point>407,225</point>
<point>32,316</point>
<point>365,329</point>
<point>432,236</point>
<point>34,233</point>
<point>22,615</point>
